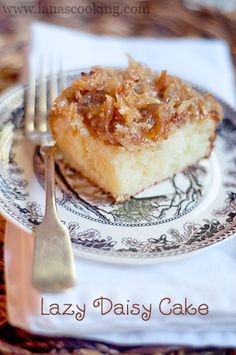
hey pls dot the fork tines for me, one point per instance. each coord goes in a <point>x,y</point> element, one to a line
<point>40,96</point>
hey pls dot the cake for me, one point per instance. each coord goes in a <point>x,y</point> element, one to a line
<point>128,129</point>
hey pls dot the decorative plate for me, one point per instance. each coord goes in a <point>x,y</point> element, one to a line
<point>193,210</point>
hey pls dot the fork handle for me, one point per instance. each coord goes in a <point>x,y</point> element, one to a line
<point>50,207</point>
<point>53,263</point>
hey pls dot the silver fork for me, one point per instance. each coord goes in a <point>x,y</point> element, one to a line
<point>53,263</point>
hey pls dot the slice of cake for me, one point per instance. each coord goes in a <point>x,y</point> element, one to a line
<point>128,129</point>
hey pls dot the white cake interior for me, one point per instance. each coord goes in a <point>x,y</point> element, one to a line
<point>124,173</point>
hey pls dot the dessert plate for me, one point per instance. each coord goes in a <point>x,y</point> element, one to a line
<point>193,210</point>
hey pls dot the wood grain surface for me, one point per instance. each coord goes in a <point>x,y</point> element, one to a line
<point>166,18</point>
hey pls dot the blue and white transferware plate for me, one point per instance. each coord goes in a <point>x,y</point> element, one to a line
<point>191,211</point>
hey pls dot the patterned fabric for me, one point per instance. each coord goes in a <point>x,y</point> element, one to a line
<point>160,21</point>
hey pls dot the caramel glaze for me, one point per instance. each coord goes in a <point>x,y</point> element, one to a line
<point>133,106</point>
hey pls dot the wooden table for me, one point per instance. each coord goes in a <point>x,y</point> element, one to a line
<point>166,18</point>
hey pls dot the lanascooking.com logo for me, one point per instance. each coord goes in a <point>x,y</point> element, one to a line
<point>92,8</point>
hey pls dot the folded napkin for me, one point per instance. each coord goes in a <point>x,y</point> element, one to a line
<point>202,278</point>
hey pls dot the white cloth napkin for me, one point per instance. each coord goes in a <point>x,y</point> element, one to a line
<point>207,277</point>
